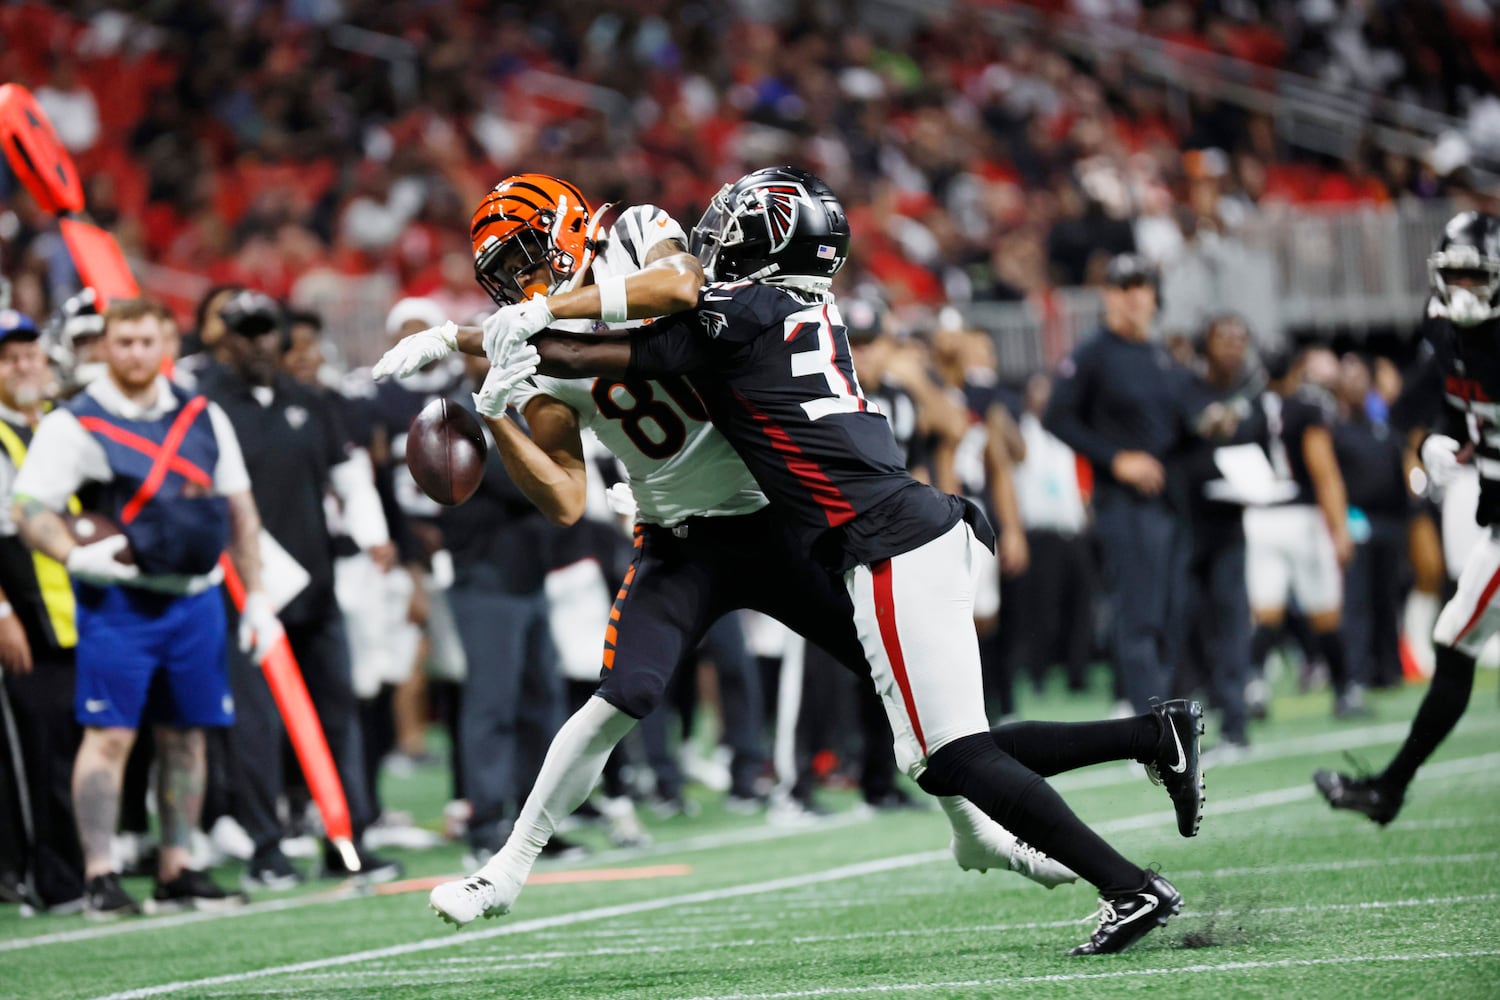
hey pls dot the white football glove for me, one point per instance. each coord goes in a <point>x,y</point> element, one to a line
<point>517,366</point>
<point>1440,459</point>
<point>621,500</point>
<point>259,627</point>
<point>412,354</point>
<point>96,563</point>
<point>513,325</point>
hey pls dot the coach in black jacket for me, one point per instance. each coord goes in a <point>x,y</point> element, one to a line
<point>1124,404</point>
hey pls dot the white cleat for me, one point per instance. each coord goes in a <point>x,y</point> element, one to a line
<point>980,855</point>
<point>463,901</point>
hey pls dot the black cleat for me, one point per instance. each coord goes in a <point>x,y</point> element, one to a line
<point>1363,794</point>
<point>193,890</point>
<point>105,899</point>
<point>269,869</point>
<point>373,869</point>
<point>1178,764</point>
<point>1126,919</point>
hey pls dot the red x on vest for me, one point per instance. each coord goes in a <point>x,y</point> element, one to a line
<point>163,457</point>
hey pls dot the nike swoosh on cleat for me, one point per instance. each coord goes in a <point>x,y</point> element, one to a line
<point>1181,764</point>
<point>1144,910</point>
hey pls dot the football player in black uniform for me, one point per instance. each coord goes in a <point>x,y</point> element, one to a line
<point>1461,331</point>
<point>766,351</point>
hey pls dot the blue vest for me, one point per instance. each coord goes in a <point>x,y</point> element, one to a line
<point>162,491</point>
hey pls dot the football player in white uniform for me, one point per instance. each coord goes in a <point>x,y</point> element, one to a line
<point>705,544</point>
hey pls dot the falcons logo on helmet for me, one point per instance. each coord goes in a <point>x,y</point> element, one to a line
<point>779,204</point>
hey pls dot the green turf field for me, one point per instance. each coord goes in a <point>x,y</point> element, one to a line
<point>1283,898</point>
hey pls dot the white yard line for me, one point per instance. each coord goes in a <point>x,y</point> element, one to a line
<point>1460,766</point>
<point>1286,963</point>
<point>1097,777</point>
<point>706,842</point>
<point>604,951</point>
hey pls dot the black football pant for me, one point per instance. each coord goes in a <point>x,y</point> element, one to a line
<point>258,735</point>
<point>41,704</point>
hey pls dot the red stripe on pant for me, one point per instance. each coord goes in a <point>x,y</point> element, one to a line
<point>1484,602</point>
<point>885,617</point>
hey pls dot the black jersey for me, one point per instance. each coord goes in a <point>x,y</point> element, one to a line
<point>1288,419</point>
<point>773,370</point>
<point>1457,392</point>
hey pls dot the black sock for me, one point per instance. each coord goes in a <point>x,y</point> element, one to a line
<point>1262,641</point>
<point>1050,748</point>
<point>1331,648</point>
<point>1020,801</point>
<point>1441,708</point>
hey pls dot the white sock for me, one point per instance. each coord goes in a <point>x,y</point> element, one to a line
<point>572,766</point>
<point>1417,622</point>
<point>974,828</point>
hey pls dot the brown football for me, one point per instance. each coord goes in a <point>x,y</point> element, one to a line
<point>88,527</point>
<point>445,451</point>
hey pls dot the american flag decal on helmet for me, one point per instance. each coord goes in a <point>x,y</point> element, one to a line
<point>779,202</point>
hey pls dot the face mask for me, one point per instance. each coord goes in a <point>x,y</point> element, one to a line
<point>1466,309</point>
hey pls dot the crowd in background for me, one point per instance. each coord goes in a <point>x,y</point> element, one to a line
<point>255,143</point>
<point>252,144</point>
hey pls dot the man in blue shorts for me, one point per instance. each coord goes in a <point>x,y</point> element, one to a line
<point>165,466</point>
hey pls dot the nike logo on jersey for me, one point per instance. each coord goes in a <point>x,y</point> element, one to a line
<point>95,705</point>
<point>710,295</point>
<point>1181,764</point>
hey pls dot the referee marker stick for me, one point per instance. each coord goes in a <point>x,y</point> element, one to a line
<point>47,172</point>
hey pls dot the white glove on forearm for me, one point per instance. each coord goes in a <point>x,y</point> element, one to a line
<point>412,354</point>
<point>96,563</point>
<point>259,626</point>
<point>513,325</point>
<point>1440,459</point>
<point>517,366</point>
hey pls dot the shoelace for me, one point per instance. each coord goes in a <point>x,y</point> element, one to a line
<point>1026,856</point>
<point>1104,915</point>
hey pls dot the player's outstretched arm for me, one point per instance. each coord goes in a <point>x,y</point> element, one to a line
<point>567,355</point>
<point>548,466</point>
<point>669,284</point>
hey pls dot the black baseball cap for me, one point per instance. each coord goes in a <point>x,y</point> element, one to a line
<point>1129,269</point>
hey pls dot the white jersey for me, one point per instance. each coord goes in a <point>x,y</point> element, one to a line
<point>678,465</point>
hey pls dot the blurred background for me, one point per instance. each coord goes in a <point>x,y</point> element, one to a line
<point>1290,160</point>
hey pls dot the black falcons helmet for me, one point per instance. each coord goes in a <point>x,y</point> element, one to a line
<point>1469,249</point>
<point>780,226</point>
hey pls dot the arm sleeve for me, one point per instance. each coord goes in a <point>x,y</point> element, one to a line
<point>61,458</point>
<point>1065,418</point>
<point>669,347</point>
<point>230,474</point>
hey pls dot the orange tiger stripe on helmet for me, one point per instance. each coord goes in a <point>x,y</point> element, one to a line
<point>537,207</point>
